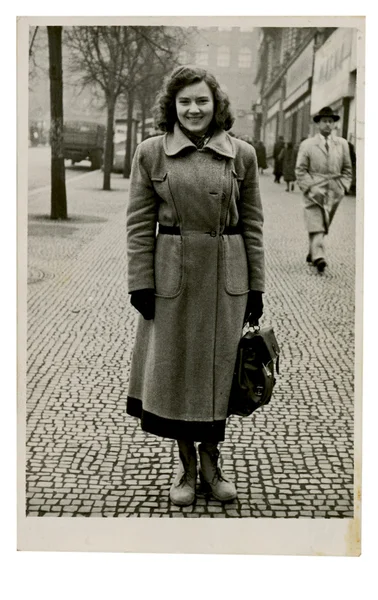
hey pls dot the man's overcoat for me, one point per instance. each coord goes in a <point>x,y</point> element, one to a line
<point>313,165</point>
<point>184,358</point>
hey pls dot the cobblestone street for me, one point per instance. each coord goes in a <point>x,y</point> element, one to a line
<point>85,457</point>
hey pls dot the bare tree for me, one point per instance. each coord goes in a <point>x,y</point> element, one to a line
<point>100,54</point>
<point>156,55</point>
<point>58,180</point>
<point>38,50</point>
<point>116,60</point>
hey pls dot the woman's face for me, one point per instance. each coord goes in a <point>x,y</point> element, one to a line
<point>195,107</point>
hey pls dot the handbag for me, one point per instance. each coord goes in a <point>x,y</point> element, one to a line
<point>253,379</point>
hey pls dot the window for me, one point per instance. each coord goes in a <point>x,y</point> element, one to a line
<point>223,58</point>
<point>202,57</point>
<point>183,57</point>
<point>245,58</point>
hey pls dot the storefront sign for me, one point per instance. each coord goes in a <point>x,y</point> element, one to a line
<point>300,71</point>
<point>332,69</point>
<point>299,92</point>
<point>274,97</point>
<point>273,110</point>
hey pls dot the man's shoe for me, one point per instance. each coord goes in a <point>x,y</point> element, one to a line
<point>308,258</point>
<point>320,264</point>
<point>212,477</point>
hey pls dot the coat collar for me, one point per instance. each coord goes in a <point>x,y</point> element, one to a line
<point>320,142</point>
<point>220,142</point>
<point>331,139</point>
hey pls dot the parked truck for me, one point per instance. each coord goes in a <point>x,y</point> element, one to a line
<point>84,140</point>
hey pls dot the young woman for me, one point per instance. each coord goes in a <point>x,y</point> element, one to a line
<point>195,273</point>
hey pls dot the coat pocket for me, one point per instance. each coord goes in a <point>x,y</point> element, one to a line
<point>160,184</point>
<point>169,258</point>
<point>235,265</point>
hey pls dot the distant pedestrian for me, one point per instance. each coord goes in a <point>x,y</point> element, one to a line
<point>245,138</point>
<point>198,280</point>
<point>261,156</point>
<point>352,153</point>
<point>324,174</point>
<point>278,158</point>
<point>288,165</point>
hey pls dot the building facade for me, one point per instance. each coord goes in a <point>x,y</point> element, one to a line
<point>300,70</point>
<point>334,79</point>
<point>230,54</point>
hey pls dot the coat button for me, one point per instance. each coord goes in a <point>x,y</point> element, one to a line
<point>213,233</point>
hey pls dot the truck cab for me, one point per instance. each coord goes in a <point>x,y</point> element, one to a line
<point>84,140</point>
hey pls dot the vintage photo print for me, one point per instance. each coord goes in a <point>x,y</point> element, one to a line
<point>184,182</point>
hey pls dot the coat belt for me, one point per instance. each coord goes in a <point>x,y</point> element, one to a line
<point>165,229</point>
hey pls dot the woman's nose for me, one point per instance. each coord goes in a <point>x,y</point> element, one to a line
<point>193,108</point>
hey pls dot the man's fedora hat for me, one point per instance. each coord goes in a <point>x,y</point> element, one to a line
<point>326,112</point>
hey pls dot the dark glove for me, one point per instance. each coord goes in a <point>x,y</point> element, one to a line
<point>144,302</point>
<point>254,308</point>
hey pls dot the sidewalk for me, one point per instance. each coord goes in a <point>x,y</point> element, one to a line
<point>85,457</point>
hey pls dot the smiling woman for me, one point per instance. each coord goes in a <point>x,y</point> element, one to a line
<point>199,280</point>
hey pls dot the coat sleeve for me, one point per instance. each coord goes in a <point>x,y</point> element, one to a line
<point>141,218</point>
<point>302,168</point>
<point>346,168</point>
<point>252,219</point>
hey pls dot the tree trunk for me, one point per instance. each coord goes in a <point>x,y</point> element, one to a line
<point>58,176</point>
<point>108,159</point>
<point>129,134</point>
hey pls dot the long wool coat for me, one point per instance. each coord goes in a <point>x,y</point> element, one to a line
<point>313,164</point>
<point>183,359</point>
<point>288,164</point>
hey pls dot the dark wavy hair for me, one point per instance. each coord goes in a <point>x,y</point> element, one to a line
<point>165,107</point>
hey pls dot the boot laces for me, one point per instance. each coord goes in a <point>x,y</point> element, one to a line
<point>186,477</point>
<point>218,475</point>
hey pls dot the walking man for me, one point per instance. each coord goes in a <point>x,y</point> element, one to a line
<point>324,174</point>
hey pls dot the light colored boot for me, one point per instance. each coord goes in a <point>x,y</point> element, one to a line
<point>212,477</point>
<point>183,489</point>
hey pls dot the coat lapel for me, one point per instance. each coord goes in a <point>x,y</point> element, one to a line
<point>319,142</point>
<point>220,142</point>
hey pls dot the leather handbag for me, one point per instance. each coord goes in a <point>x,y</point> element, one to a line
<point>254,375</point>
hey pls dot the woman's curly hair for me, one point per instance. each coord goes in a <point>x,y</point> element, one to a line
<point>165,107</point>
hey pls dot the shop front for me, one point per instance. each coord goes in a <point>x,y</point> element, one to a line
<point>297,103</point>
<point>273,120</point>
<point>334,82</point>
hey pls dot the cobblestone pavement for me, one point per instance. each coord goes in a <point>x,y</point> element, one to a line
<point>85,457</point>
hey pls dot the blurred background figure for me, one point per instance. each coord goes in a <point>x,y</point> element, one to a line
<point>245,138</point>
<point>278,157</point>
<point>261,156</point>
<point>352,152</point>
<point>288,165</point>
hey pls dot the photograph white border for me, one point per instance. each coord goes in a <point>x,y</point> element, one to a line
<point>310,537</point>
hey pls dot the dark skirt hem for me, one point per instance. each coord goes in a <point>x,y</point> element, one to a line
<point>198,431</point>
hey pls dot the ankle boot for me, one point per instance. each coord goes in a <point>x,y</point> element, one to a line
<point>212,477</point>
<point>183,489</point>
